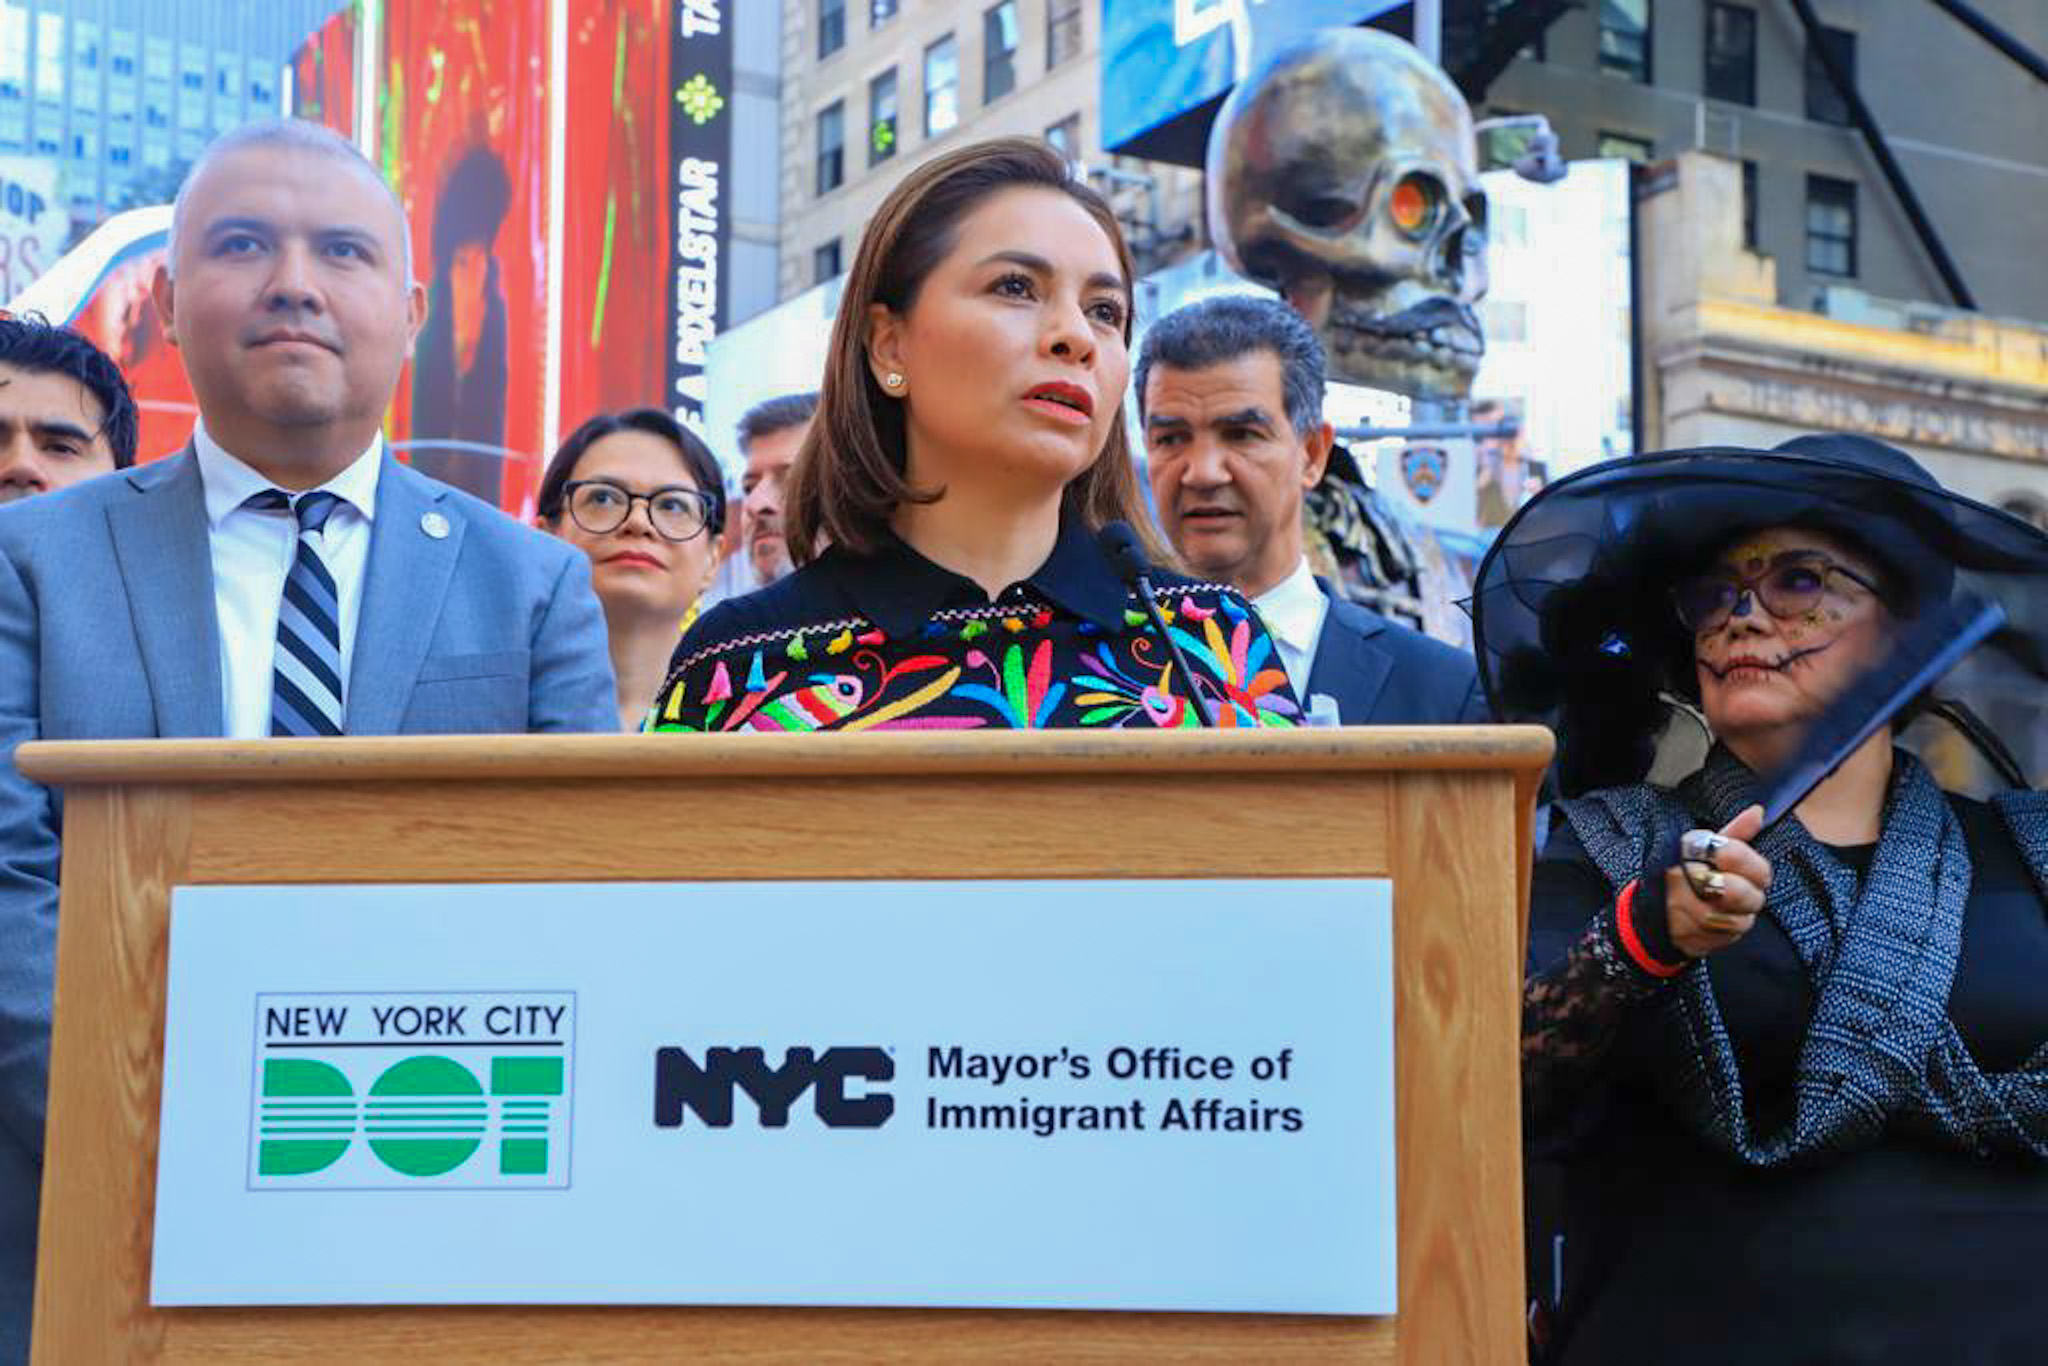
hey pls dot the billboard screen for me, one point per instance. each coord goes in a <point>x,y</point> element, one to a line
<point>615,209</point>
<point>323,75</point>
<point>1167,63</point>
<point>464,139</point>
<point>700,147</point>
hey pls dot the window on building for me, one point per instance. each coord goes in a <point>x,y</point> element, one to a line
<point>941,87</point>
<point>193,80</point>
<point>831,147</point>
<point>155,117</point>
<point>882,117</point>
<point>1062,31</point>
<point>259,93</point>
<point>84,145</point>
<point>1831,227</point>
<point>1535,51</point>
<point>1065,137</point>
<point>825,262</point>
<point>118,155</point>
<point>1749,205</point>
<point>10,90</point>
<point>89,55</point>
<point>831,27</point>
<point>1627,146</point>
<point>881,12</point>
<point>1824,102</point>
<point>998,51</point>
<point>1625,39</point>
<point>47,146</point>
<point>1731,53</point>
<point>222,82</point>
<point>122,66</point>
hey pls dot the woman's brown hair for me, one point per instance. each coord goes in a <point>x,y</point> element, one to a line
<point>849,478</point>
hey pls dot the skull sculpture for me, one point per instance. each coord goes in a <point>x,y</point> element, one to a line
<point>1342,172</point>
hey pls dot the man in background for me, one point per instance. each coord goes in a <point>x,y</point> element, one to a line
<point>65,411</point>
<point>284,575</point>
<point>1230,392</point>
<point>459,377</point>
<point>770,435</point>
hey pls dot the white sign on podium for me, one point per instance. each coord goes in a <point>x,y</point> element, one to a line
<point>1132,1094</point>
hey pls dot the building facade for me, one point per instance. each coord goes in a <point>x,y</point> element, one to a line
<point>122,94</point>
<point>1968,127</point>
<point>1725,360</point>
<point>872,87</point>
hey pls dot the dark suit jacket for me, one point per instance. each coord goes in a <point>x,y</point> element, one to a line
<point>1385,674</point>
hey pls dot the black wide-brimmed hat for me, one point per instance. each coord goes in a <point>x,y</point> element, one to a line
<point>1572,615</point>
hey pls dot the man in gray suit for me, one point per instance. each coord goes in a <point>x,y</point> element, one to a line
<point>282,576</point>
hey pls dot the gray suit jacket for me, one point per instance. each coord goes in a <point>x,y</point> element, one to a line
<point>108,630</point>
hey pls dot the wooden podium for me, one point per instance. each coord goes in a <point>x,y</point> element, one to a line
<point>1442,811</point>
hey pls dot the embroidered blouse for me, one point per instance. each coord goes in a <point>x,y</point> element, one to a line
<point>893,641</point>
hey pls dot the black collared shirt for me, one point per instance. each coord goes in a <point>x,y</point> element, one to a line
<point>893,641</point>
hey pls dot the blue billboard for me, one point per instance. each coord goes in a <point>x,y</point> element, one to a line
<point>1166,64</point>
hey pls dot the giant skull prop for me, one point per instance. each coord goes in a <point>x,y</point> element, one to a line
<point>1343,173</point>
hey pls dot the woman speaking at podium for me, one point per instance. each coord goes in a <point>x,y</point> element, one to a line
<point>1797,1079</point>
<point>948,509</point>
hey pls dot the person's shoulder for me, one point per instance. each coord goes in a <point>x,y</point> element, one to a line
<point>496,527</point>
<point>795,603</point>
<point>31,522</point>
<point>1396,637</point>
<point>1170,587</point>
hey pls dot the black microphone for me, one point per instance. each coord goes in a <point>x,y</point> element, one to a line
<point>1120,545</point>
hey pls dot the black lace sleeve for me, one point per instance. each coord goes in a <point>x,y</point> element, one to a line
<point>1581,989</point>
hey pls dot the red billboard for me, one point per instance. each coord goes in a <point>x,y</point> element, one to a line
<point>616,220</point>
<point>462,107</point>
<point>324,74</point>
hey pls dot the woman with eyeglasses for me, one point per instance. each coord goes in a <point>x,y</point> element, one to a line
<point>643,497</point>
<point>1787,1094</point>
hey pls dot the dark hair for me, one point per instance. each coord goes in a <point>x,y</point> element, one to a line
<point>776,415</point>
<point>471,205</point>
<point>697,459</point>
<point>1219,329</point>
<point>35,345</point>
<point>848,480</point>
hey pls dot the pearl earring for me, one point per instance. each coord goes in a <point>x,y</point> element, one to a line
<point>893,380</point>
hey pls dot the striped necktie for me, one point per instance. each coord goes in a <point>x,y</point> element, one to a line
<point>305,685</point>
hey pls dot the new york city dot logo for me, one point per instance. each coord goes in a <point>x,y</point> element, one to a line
<point>412,1090</point>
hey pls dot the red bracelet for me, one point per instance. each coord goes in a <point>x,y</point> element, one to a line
<point>1632,943</point>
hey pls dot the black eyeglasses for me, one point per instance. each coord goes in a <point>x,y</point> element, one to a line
<point>600,506</point>
<point>1793,585</point>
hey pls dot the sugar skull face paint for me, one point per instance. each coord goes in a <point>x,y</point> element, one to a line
<point>1783,622</point>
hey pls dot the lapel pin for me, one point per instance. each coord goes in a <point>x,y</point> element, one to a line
<point>435,525</point>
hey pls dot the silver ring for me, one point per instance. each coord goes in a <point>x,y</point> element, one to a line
<point>1701,846</point>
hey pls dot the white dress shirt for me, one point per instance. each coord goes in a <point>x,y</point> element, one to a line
<point>1294,610</point>
<point>252,554</point>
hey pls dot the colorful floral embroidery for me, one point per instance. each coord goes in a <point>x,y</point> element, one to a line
<point>1015,666</point>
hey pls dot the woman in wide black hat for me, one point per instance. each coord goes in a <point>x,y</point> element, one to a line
<point>1797,1080</point>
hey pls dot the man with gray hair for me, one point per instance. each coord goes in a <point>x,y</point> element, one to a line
<point>1230,392</point>
<point>282,576</point>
